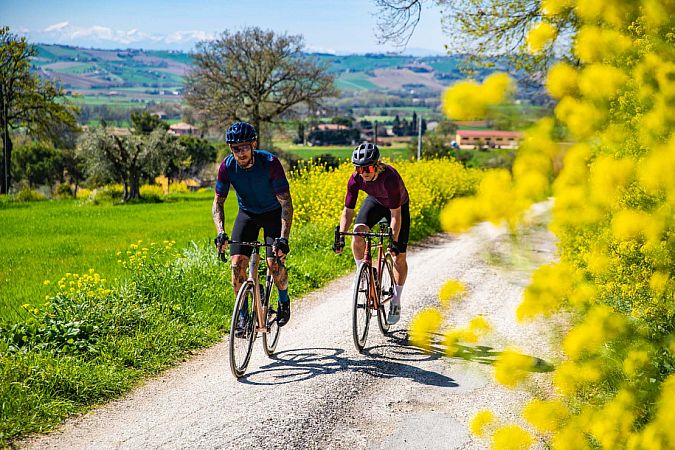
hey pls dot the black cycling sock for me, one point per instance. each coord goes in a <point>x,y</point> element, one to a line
<point>283,295</point>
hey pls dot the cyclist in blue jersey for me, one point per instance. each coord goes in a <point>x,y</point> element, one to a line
<point>387,197</point>
<point>264,201</point>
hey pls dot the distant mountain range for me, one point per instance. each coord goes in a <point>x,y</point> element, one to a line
<point>137,72</point>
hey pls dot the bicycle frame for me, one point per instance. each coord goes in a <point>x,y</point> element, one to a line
<point>374,292</point>
<point>261,305</point>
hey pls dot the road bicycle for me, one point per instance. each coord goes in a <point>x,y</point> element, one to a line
<point>252,303</point>
<point>374,284</point>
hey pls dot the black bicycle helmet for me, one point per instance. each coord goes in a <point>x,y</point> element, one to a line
<point>365,154</point>
<point>240,132</point>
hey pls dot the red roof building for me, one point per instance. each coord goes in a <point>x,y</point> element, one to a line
<point>488,138</point>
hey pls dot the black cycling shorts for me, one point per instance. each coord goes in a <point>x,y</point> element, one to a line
<point>247,227</point>
<point>372,211</point>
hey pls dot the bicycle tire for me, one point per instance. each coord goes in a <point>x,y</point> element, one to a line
<point>271,338</point>
<point>361,307</point>
<point>242,347</point>
<point>386,292</point>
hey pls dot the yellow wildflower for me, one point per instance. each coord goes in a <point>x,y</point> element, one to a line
<point>423,325</point>
<point>562,80</point>
<point>599,81</point>
<point>511,437</point>
<point>635,361</point>
<point>546,415</point>
<point>540,36</point>
<point>450,290</point>
<point>481,421</point>
<point>512,367</point>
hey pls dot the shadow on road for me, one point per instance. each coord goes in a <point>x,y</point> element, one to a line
<point>381,361</point>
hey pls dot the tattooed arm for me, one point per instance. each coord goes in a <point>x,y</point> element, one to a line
<point>218,212</point>
<point>286,213</point>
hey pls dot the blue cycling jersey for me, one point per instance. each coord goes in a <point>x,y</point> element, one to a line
<point>257,187</point>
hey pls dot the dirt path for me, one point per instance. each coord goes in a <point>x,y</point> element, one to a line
<point>319,392</point>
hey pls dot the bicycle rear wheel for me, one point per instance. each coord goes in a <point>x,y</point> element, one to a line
<point>241,345</point>
<point>361,313</point>
<point>271,338</point>
<point>386,292</point>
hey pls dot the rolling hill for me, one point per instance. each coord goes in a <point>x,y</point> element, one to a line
<point>147,73</point>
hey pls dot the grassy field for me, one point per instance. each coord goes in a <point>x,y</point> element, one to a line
<point>45,240</point>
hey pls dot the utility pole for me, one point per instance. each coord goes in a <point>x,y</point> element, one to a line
<point>419,137</point>
<point>5,155</point>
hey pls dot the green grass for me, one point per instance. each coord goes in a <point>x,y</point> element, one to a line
<point>355,82</point>
<point>43,241</point>
<point>79,69</point>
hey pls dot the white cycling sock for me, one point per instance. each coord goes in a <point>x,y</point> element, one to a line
<point>396,299</point>
<point>358,261</point>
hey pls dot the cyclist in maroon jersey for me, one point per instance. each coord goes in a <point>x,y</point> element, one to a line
<point>387,198</point>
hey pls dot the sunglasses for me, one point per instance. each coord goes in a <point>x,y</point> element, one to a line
<point>241,148</point>
<point>365,169</point>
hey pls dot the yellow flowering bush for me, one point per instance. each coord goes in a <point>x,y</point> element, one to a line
<point>613,216</point>
<point>319,195</point>
<point>468,100</point>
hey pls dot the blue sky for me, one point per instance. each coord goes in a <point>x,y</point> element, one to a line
<point>335,26</point>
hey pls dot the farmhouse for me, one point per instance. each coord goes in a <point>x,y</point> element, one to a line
<point>183,129</point>
<point>468,139</point>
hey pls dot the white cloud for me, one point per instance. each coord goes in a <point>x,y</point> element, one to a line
<point>56,27</point>
<point>65,32</point>
<point>319,49</point>
<point>188,36</point>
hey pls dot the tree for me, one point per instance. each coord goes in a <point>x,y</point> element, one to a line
<point>483,29</point>
<point>127,158</point>
<point>254,75</point>
<point>38,164</point>
<point>196,154</point>
<point>26,101</point>
<point>143,122</point>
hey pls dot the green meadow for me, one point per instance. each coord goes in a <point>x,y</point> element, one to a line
<point>45,240</point>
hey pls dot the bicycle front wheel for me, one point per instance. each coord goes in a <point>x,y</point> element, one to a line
<point>386,292</point>
<point>241,339</point>
<point>361,312</point>
<point>271,338</point>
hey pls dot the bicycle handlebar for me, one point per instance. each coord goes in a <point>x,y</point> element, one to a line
<point>364,234</point>
<point>254,244</point>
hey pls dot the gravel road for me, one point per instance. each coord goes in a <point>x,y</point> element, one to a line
<point>319,392</point>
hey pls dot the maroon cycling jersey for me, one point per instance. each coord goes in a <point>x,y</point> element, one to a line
<point>388,189</point>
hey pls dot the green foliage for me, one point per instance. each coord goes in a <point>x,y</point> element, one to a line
<point>125,158</point>
<point>28,102</point>
<point>37,163</point>
<point>28,195</point>
<point>143,122</point>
